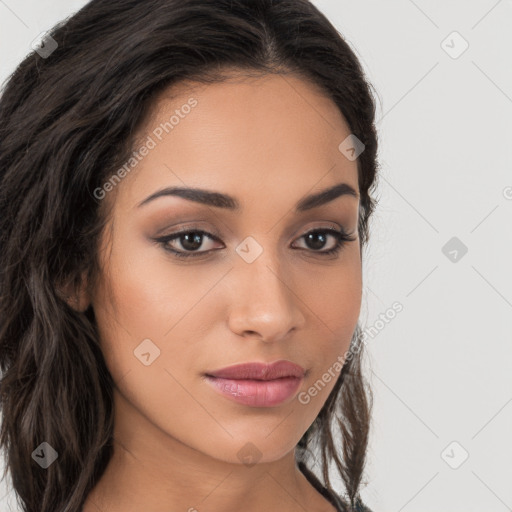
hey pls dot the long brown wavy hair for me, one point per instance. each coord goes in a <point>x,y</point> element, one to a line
<point>67,122</point>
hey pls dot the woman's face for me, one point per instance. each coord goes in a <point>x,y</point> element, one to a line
<point>258,290</point>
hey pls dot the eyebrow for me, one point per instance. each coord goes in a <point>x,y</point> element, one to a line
<point>219,200</point>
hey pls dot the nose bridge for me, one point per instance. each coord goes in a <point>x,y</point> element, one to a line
<point>263,300</point>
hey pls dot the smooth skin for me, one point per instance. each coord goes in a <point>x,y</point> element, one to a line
<point>268,141</point>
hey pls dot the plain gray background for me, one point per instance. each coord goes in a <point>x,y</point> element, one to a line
<point>441,368</point>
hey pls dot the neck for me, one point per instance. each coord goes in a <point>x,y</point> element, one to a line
<point>151,470</point>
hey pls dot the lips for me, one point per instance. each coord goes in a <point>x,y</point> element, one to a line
<point>258,384</point>
<point>259,371</point>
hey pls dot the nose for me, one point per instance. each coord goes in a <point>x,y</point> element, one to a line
<point>263,303</point>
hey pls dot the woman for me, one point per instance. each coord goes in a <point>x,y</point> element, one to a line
<point>185,192</point>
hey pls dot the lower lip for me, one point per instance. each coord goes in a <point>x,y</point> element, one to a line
<point>257,393</point>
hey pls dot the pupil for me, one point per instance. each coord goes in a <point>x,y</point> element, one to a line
<point>315,237</point>
<point>192,242</point>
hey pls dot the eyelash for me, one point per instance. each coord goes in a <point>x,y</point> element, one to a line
<point>341,239</point>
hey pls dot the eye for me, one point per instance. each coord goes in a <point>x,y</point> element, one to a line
<point>317,238</point>
<point>192,240</point>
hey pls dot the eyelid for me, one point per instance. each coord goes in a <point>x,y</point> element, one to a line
<point>194,226</point>
<point>187,228</point>
<point>331,225</point>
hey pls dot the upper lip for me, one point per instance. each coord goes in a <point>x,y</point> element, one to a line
<point>260,371</point>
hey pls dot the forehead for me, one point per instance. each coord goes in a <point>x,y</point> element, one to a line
<point>276,132</point>
<point>250,103</point>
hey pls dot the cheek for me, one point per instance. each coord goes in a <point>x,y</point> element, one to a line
<point>333,296</point>
<point>149,292</point>
<point>146,296</point>
<point>153,308</point>
<point>334,302</point>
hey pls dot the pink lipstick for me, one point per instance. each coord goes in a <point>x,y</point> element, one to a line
<point>258,384</point>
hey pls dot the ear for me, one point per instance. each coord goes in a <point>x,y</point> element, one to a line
<point>76,295</point>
